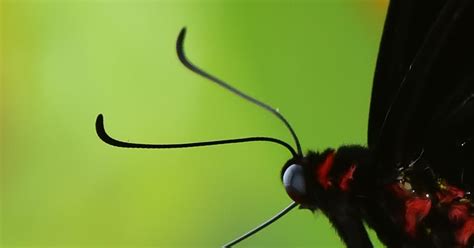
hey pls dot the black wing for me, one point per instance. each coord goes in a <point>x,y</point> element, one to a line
<point>406,26</point>
<point>422,94</point>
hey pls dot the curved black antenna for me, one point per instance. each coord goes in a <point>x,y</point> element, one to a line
<point>192,67</point>
<point>261,226</point>
<point>99,127</point>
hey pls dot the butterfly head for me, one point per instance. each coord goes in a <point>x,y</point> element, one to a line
<point>294,180</point>
<point>306,179</point>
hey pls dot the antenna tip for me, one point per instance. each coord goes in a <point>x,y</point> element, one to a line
<point>181,35</point>
<point>100,118</point>
<point>99,125</point>
<point>179,45</point>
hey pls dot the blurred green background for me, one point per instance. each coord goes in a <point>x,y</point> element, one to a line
<point>64,62</point>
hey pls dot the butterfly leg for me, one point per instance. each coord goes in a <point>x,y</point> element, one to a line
<point>349,226</point>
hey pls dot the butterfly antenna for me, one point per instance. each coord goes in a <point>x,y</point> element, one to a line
<point>261,226</point>
<point>100,129</point>
<point>192,67</point>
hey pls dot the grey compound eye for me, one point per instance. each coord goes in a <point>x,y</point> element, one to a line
<point>294,181</point>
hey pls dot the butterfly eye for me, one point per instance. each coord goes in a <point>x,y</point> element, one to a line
<point>294,181</point>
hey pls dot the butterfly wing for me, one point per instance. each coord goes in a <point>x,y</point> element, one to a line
<point>448,141</point>
<point>421,100</point>
<point>406,26</point>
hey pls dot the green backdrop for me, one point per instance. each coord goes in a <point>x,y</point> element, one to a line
<point>64,62</point>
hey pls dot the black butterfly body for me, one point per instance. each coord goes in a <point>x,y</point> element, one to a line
<point>412,183</point>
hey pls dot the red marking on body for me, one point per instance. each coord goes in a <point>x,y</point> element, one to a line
<point>399,191</point>
<point>466,231</point>
<point>416,209</point>
<point>322,170</point>
<point>449,194</point>
<point>458,212</point>
<point>347,178</point>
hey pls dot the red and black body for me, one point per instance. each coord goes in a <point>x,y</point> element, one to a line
<point>412,183</point>
<point>416,209</point>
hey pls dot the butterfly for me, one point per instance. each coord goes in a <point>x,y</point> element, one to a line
<point>412,182</point>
